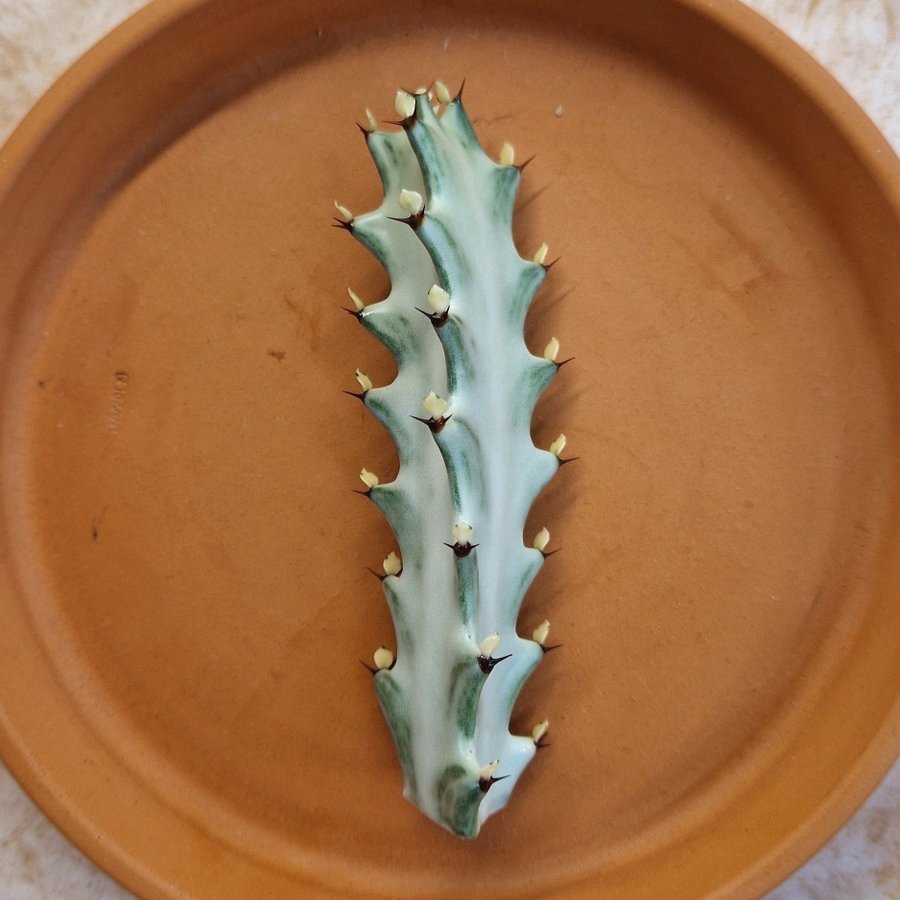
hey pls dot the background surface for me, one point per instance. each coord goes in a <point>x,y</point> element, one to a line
<point>857,40</point>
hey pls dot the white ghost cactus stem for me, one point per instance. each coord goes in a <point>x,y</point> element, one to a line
<point>469,471</point>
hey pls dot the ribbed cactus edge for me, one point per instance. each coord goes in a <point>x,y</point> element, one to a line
<point>459,412</point>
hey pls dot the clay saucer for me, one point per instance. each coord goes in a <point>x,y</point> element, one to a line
<point>183,578</point>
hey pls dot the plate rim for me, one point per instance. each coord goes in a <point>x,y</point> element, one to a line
<point>876,157</point>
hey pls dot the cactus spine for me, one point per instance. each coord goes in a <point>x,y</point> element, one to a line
<point>459,412</point>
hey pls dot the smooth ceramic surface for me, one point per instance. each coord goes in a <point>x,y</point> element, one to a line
<point>576,270</point>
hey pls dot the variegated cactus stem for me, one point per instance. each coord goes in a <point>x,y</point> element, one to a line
<point>459,412</point>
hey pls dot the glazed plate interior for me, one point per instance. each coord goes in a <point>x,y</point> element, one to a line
<point>183,582</point>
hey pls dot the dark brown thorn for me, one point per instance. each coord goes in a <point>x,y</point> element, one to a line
<point>551,647</point>
<point>521,166</point>
<point>541,744</point>
<point>559,365</point>
<point>340,223</point>
<point>367,666</point>
<point>379,575</point>
<point>367,494</point>
<point>437,319</point>
<point>436,425</point>
<point>485,783</point>
<point>548,266</point>
<point>563,462</point>
<point>360,396</point>
<point>487,663</point>
<point>461,550</point>
<point>365,131</point>
<point>405,124</point>
<point>550,553</point>
<point>413,221</point>
<point>356,313</point>
<point>459,93</point>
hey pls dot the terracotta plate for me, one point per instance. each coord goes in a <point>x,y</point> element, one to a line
<point>182,576</point>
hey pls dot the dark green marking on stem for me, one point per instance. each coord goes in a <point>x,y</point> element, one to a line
<point>459,797</point>
<point>459,367</point>
<point>394,505</point>
<point>394,707</point>
<point>399,614</point>
<point>466,682</point>
<point>505,183</point>
<point>537,376</point>
<point>459,447</point>
<point>467,586</point>
<point>529,280</point>
<point>378,402</point>
<point>393,330</point>
<point>387,150</point>
<point>371,236</point>
<point>457,121</point>
<point>519,588</point>
<point>453,271</point>
<point>425,137</point>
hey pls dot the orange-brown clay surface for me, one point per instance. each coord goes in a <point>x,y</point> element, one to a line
<point>183,577</point>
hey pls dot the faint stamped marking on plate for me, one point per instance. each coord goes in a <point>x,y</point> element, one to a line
<point>117,404</point>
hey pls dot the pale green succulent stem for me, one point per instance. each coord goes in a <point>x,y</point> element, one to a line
<point>449,716</point>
